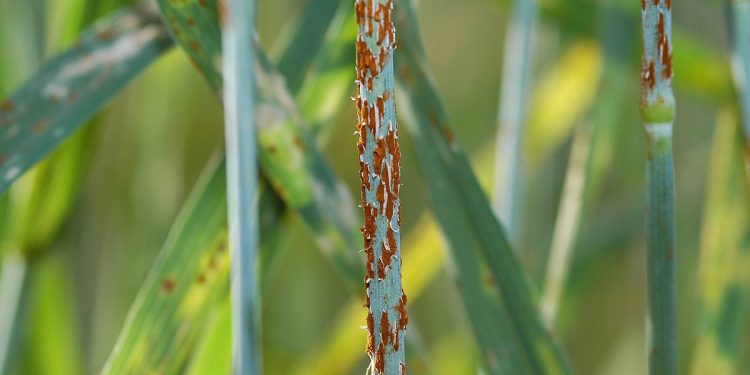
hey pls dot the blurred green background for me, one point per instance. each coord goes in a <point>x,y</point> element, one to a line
<point>150,144</point>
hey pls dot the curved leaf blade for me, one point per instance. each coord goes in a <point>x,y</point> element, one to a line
<point>73,86</point>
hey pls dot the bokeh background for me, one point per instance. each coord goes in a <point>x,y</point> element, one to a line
<point>147,148</point>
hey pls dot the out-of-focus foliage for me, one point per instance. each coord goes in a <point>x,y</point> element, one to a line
<point>151,142</point>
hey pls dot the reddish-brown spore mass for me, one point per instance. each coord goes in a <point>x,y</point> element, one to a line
<point>381,174</point>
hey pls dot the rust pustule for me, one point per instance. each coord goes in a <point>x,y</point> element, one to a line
<point>379,161</point>
<point>6,106</point>
<point>41,126</point>
<point>664,48</point>
<point>370,328</point>
<point>167,286</point>
<point>403,316</point>
<point>107,34</point>
<point>3,159</point>
<point>648,76</point>
<point>669,4</point>
<point>385,328</point>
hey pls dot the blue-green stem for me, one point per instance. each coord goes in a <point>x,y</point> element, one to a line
<point>657,112</point>
<point>662,301</point>
<point>511,116</point>
<point>739,33</point>
<point>238,25</point>
<point>380,169</point>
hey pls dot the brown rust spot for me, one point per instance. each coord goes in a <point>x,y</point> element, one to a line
<point>669,4</point>
<point>643,4</point>
<point>107,34</point>
<point>190,21</point>
<point>403,316</point>
<point>168,285</point>
<point>299,142</point>
<point>41,126</point>
<point>380,360</point>
<point>385,329</point>
<point>195,46</point>
<point>223,9</point>
<point>3,159</point>
<point>448,133</point>
<point>73,97</point>
<point>6,106</point>
<point>203,3</point>
<point>664,47</point>
<point>201,279</point>
<point>370,333</point>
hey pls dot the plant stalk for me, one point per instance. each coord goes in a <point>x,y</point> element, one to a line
<point>512,116</point>
<point>13,290</point>
<point>380,170</point>
<point>238,26</point>
<point>566,225</point>
<point>657,112</point>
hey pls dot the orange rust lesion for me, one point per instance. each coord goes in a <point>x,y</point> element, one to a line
<point>380,360</point>
<point>107,34</point>
<point>385,329</point>
<point>380,174</point>
<point>168,285</point>
<point>669,4</point>
<point>664,47</point>
<point>403,319</point>
<point>6,105</point>
<point>223,10</point>
<point>370,329</point>
<point>3,159</point>
<point>648,75</point>
<point>41,126</point>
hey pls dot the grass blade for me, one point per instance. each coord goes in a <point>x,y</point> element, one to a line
<point>289,158</point>
<point>517,67</point>
<point>379,172</point>
<point>591,159</point>
<point>71,87</point>
<point>468,221</point>
<point>14,280</point>
<point>657,112</point>
<point>190,279</point>
<point>238,28</point>
<point>566,224</point>
<point>152,321</point>
<point>725,254</point>
<point>295,62</point>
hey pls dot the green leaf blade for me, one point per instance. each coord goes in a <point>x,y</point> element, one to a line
<point>72,87</point>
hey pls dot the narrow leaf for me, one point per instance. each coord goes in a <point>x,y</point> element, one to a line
<point>725,254</point>
<point>512,335</point>
<point>289,158</point>
<point>72,87</point>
